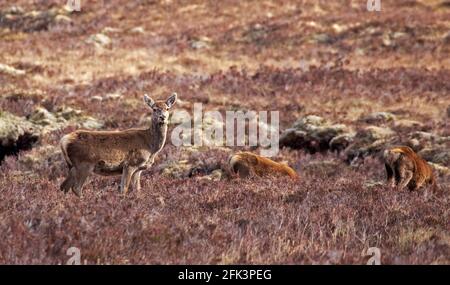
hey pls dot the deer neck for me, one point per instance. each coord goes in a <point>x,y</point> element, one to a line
<point>157,136</point>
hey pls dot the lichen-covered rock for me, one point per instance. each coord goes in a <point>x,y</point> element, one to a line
<point>42,117</point>
<point>378,117</point>
<point>439,155</point>
<point>314,134</point>
<point>373,133</point>
<point>440,169</point>
<point>99,40</point>
<point>341,142</point>
<point>215,175</point>
<point>137,30</point>
<point>16,133</point>
<point>20,133</point>
<point>407,125</point>
<point>369,141</point>
<point>176,169</point>
<point>6,69</point>
<point>202,129</point>
<point>50,121</point>
<point>17,19</point>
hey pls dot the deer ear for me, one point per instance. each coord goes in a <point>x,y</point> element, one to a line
<point>171,100</point>
<point>149,101</point>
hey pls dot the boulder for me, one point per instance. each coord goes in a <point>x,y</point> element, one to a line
<point>20,133</point>
<point>408,125</point>
<point>378,118</point>
<point>17,19</point>
<point>369,141</point>
<point>314,134</point>
<point>63,117</point>
<point>137,30</point>
<point>341,142</point>
<point>99,40</point>
<point>9,70</point>
<point>440,169</point>
<point>16,134</point>
<point>176,169</point>
<point>439,155</point>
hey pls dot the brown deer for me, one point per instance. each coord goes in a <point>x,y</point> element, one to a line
<point>125,153</point>
<point>246,164</point>
<point>405,168</point>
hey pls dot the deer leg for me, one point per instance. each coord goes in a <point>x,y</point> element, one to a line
<point>136,180</point>
<point>242,170</point>
<point>68,183</point>
<point>390,176</point>
<point>417,184</point>
<point>406,178</point>
<point>126,178</point>
<point>83,172</point>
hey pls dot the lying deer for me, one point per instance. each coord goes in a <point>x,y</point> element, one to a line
<point>125,153</point>
<point>247,164</point>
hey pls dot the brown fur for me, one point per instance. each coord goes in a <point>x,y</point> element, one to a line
<point>247,164</point>
<point>405,168</point>
<point>124,153</point>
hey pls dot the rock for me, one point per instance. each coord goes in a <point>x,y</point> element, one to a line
<point>323,39</point>
<point>176,169</point>
<point>43,117</point>
<point>17,19</point>
<point>378,117</point>
<point>88,122</point>
<point>440,169</point>
<point>341,142</point>
<point>111,30</point>
<point>215,175</point>
<point>69,113</point>
<point>14,10</point>
<point>16,134</point>
<point>199,45</point>
<point>96,98</point>
<point>373,133</point>
<point>373,184</point>
<point>19,133</point>
<point>138,30</point>
<point>113,96</point>
<point>406,125</point>
<point>199,129</point>
<point>63,19</point>
<point>6,69</point>
<point>368,141</point>
<point>314,133</point>
<point>440,155</point>
<point>62,118</point>
<point>423,136</point>
<point>100,40</point>
<point>415,144</point>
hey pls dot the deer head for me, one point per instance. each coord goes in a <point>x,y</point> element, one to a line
<point>160,109</point>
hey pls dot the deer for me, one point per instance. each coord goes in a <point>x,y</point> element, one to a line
<point>123,152</point>
<point>405,168</point>
<point>247,164</point>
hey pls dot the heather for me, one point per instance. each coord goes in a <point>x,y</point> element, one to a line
<point>384,71</point>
